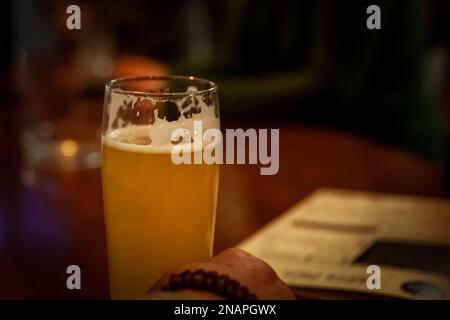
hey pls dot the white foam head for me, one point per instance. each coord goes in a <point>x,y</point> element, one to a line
<point>156,137</point>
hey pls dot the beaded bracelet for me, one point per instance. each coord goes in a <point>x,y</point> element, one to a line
<point>209,281</point>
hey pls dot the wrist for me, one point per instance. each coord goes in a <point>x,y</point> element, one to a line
<point>208,283</point>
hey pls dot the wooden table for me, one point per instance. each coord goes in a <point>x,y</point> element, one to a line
<point>58,220</point>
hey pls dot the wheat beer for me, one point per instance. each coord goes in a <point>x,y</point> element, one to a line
<point>158,214</point>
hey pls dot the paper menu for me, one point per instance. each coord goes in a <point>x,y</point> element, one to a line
<point>328,240</point>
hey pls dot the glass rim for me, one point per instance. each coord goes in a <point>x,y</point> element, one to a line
<point>113,85</point>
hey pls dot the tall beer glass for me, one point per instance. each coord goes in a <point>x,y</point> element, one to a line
<point>158,214</point>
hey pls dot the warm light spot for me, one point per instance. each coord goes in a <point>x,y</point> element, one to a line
<point>102,66</point>
<point>68,148</point>
<point>92,160</point>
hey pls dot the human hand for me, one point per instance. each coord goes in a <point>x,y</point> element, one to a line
<point>249,271</point>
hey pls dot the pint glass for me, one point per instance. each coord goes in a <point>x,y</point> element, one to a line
<point>158,213</point>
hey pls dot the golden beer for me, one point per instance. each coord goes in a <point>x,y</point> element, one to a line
<point>158,214</point>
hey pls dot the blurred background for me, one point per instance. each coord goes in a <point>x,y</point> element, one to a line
<point>357,108</point>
